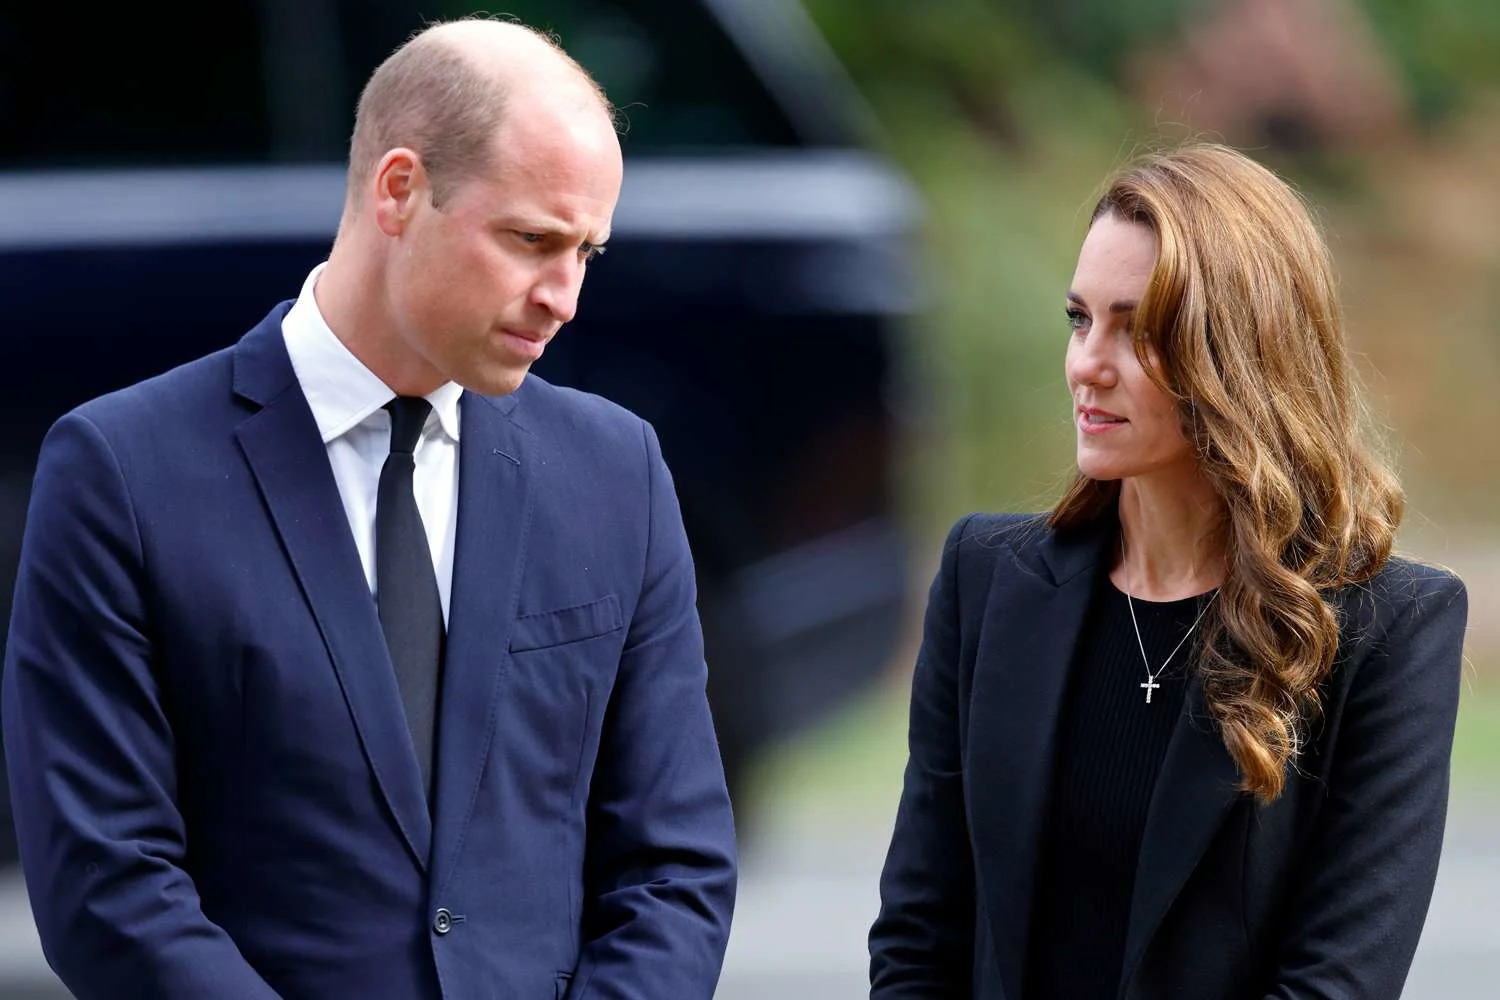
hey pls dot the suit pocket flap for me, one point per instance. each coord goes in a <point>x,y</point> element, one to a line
<point>553,628</point>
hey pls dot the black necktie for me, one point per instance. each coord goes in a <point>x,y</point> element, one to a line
<point>406,592</point>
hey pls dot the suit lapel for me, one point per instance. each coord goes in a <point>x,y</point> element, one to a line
<point>1035,612</point>
<point>489,553</point>
<point>1197,784</point>
<point>286,455</point>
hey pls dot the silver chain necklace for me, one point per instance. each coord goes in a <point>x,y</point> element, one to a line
<point>1151,675</point>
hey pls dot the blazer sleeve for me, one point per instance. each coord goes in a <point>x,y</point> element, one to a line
<point>90,751</point>
<point>1365,882</point>
<point>660,869</point>
<point>921,945</point>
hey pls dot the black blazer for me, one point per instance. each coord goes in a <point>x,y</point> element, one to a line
<point>1321,894</point>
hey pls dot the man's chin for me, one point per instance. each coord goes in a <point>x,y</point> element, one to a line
<point>500,382</point>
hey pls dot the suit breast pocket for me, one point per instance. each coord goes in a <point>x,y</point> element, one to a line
<point>562,666</point>
<point>544,629</point>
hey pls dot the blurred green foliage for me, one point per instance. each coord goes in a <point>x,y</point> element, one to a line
<point>970,59</point>
<point>1446,48</point>
<point>982,55</point>
<point>1095,36</point>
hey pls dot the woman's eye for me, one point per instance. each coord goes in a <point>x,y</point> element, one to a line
<point>1077,319</point>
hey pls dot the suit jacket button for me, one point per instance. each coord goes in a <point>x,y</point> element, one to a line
<point>442,921</point>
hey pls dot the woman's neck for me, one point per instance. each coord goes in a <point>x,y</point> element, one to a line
<point>1172,540</point>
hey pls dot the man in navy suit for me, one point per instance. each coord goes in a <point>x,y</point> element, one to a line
<point>354,662</point>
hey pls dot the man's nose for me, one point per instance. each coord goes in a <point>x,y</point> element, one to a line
<point>558,287</point>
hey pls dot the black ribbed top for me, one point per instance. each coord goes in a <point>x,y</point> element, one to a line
<point>1109,750</point>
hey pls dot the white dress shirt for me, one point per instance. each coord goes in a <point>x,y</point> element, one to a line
<point>347,401</point>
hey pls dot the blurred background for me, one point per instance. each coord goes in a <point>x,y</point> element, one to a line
<point>836,289</point>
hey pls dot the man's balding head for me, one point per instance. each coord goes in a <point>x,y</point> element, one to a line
<point>444,94</point>
<point>483,177</point>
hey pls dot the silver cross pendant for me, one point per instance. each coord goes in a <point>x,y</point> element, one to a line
<point>1150,686</point>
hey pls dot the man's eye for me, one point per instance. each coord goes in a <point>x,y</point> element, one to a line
<point>530,237</point>
<point>589,251</point>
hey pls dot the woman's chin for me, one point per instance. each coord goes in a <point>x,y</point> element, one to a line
<point>1091,468</point>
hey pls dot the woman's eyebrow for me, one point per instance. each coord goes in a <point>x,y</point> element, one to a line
<point>1121,306</point>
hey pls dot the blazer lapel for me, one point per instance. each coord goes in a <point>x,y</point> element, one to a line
<point>1035,612</point>
<point>286,455</point>
<point>489,554</point>
<point>1197,784</point>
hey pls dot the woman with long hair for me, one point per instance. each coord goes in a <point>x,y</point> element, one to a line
<point>1186,735</point>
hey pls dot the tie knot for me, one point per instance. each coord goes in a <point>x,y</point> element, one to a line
<point>408,416</point>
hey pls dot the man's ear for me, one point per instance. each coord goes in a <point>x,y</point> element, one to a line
<point>397,185</point>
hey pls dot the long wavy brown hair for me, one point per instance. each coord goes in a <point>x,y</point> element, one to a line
<point>1242,313</point>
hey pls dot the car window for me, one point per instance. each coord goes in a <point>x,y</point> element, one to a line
<point>677,78</point>
<point>254,81</point>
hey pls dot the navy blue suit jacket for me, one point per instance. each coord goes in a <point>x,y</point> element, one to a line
<point>1321,894</point>
<point>215,791</point>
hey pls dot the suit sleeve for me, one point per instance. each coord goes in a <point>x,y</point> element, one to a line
<point>921,945</point>
<point>660,868</point>
<point>90,751</point>
<point>1364,885</point>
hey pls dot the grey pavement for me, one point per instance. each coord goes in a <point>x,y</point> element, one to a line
<point>807,897</point>
<point>808,893</point>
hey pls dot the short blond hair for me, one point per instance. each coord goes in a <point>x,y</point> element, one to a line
<point>430,97</point>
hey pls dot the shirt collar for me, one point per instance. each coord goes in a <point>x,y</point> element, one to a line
<point>340,390</point>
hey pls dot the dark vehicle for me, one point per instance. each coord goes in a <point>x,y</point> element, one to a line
<point>164,185</point>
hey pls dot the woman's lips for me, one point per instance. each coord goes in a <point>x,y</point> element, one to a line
<point>1092,421</point>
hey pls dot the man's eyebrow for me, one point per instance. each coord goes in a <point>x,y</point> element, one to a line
<point>550,225</point>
